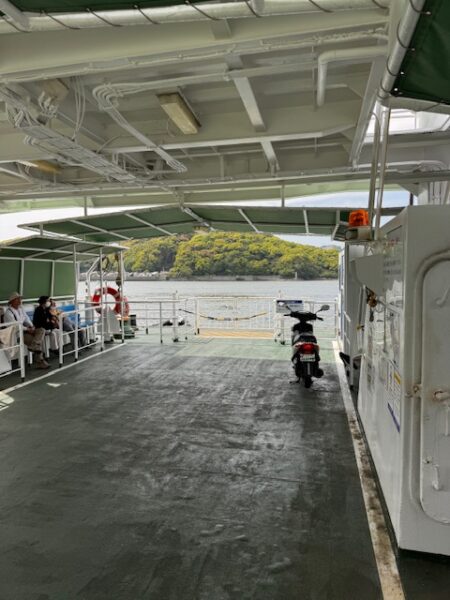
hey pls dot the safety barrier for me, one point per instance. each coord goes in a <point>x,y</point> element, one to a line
<point>326,329</point>
<point>77,333</point>
<point>171,318</point>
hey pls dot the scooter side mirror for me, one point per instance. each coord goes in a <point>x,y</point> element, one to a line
<point>324,307</point>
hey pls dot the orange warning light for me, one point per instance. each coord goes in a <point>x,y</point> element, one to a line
<point>358,218</point>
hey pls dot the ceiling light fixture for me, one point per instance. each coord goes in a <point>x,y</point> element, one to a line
<point>178,111</point>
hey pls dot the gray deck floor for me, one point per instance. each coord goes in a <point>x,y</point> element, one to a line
<point>181,473</point>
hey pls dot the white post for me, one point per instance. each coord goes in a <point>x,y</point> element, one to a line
<point>75,270</point>
<point>102,315</point>
<point>21,353</point>
<point>282,337</point>
<point>197,316</point>
<point>60,349</point>
<point>175,317</point>
<point>122,301</point>
<point>160,322</point>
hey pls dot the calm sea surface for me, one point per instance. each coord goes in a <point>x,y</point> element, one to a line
<point>313,290</point>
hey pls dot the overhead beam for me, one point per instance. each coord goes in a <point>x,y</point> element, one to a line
<point>271,156</point>
<point>234,128</point>
<point>249,221</point>
<point>148,224</point>
<point>17,17</point>
<point>99,229</point>
<point>39,54</point>
<point>221,29</point>
<point>195,216</point>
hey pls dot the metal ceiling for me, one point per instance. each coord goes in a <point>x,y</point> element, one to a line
<point>154,222</point>
<point>283,91</point>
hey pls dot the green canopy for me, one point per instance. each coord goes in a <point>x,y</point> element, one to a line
<point>172,220</point>
<point>424,70</point>
<point>51,248</point>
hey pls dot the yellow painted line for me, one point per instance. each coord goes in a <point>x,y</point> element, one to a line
<point>390,581</point>
<point>244,334</point>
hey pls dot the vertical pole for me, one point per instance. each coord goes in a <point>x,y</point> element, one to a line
<point>60,349</point>
<point>102,313</point>
<point>146,317</point>
<point>122,302</point>
<point>160,323</point>
<point>52,279</point>
<point>22,275</point>
<point>383,157</point>
<point>175,317</point>
<point>77,316</point>
<point>197,316</point>
<point>21,352</point>
<point>374,165</point>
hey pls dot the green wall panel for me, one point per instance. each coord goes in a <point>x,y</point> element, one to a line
<point>9,277</point>
<point>64,280</point>
<point>81,5</point>
<point>424,73</point>
<point>37,279</point>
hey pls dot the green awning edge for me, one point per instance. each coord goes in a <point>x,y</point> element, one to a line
<point>424,73</point>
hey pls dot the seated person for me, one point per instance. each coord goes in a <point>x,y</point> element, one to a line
<point>67,325</point>
<point>32,336</point>
<point>43,319</point>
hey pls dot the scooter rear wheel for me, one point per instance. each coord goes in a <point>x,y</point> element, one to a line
<point>307,381</point>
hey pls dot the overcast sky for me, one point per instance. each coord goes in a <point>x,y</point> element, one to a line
<point>9,221</point>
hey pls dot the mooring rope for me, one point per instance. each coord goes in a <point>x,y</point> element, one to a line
<point>210,318</point>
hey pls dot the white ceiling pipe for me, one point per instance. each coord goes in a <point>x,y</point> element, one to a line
<point>184,13</point>
<point>404,31</point>
<point>355,55</point>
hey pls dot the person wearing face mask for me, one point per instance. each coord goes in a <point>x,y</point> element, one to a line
<point>44,319</point>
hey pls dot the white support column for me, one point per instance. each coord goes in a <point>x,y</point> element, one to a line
<point>77,316</point>
<point>22,275</point>
<point>122,302</point>
<point>102,311</point>
<point>52,280</point>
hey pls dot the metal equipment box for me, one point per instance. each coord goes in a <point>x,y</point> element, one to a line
<point>404,393</point>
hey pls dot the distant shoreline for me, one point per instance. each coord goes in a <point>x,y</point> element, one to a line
<point>137,277</point>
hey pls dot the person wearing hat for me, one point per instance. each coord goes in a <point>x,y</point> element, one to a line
<point>32,336</point>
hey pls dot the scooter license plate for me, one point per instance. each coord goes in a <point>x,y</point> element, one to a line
<point>307,357</point>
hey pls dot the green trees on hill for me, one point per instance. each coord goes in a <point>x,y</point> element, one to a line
<point>232,254</point>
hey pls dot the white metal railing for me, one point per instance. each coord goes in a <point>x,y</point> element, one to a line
<point>12,347</point>
<point>79,334</point>
<point>326,329</point>
<point>164,317</point>
<point>215,315</point>
<point>168,318</point>
<point>236,313</point>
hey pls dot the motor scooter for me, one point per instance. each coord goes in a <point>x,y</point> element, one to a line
<point>305,356</point>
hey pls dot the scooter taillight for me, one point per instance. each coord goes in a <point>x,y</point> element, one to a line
<point>306,348</point>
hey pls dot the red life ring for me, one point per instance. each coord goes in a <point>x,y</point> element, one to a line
<point>117,297</point>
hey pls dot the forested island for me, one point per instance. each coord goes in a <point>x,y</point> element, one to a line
<point>230,254</point>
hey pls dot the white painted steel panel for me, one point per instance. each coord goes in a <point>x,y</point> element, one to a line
<point>435,434</point>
